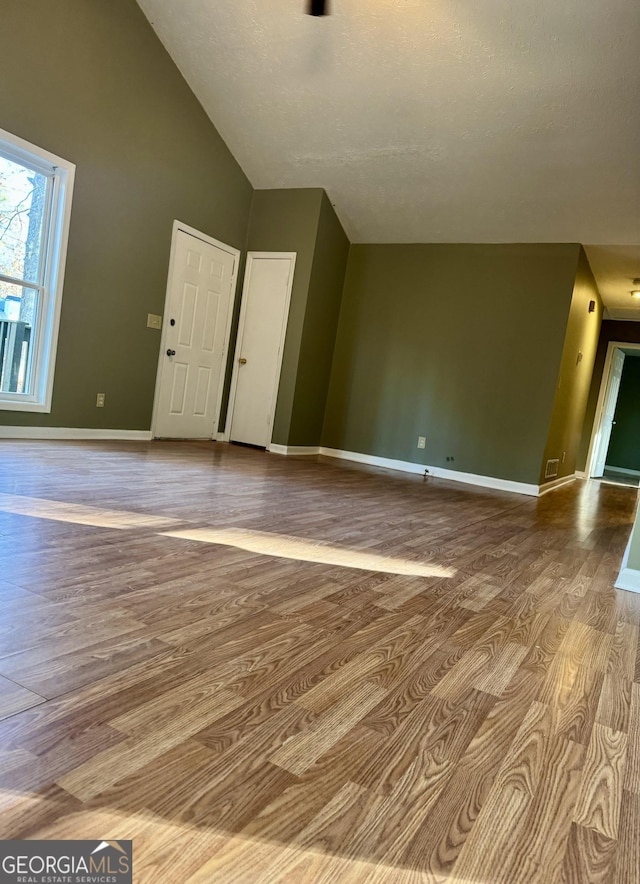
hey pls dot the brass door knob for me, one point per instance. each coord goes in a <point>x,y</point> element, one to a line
<point>242,360</point>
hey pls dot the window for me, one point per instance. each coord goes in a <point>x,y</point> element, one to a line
<point>35,205</point>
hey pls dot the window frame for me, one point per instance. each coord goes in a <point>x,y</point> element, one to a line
<point>50,285</point>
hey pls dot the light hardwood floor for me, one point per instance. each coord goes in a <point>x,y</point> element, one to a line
<point>270,670</point>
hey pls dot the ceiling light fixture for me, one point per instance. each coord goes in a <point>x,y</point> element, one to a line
<point>318,7</point>
<point>635,292</point>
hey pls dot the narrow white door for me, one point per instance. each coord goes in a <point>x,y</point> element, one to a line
<point>608,412</point>
<point>196,321</point>
<point>263,322</point>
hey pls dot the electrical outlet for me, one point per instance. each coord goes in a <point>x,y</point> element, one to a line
<point>422,441</point>
<point>100,397</point>
<point>154,321</point>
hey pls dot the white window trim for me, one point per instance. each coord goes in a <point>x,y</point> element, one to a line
<point>55,256</point>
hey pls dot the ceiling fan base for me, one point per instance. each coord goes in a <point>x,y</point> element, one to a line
<point>318,7</point>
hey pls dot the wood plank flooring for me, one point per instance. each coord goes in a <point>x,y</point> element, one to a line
<point>266,669</point>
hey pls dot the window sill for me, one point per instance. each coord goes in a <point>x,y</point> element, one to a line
<point>13,405</point>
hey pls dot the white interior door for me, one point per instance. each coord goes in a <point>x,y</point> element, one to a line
<point>609,409</point>
<point>195,338</point>
<point>263,322</point>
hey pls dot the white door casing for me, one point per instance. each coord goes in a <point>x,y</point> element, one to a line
<point>608,413</point>
<point>264,312</point>
<point>195,335</point>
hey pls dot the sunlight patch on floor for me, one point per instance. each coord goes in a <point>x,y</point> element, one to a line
<point>297,548</point>
<point>178,852</point>
<point>79,514</point>
<point>261,542</point>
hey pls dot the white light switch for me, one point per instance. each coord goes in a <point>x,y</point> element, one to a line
<point>154,321</point>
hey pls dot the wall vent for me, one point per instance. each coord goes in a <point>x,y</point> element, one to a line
<point>551,469</point>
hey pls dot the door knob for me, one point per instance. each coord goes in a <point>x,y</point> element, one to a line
<point>171,352</point>
<point>242,360</point>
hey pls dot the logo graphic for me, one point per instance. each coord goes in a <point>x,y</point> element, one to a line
<point>67,862</point>
<point>114,844</point>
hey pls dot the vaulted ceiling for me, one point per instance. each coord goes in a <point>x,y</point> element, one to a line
<point>433,120</point>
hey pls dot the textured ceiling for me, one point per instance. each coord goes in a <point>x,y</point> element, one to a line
<point>429,120</point>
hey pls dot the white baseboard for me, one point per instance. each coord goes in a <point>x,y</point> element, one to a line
<point>622,471</point>
<point>581,474</point>
<point>373,460</point>
<point>293,449</point>
<point>54,433</point>
<point>406,466</point>
<point>555,483</point>
<point>220,437</point>
<point>437,472</point>
<point>628,578</point>
<point>486,481</point>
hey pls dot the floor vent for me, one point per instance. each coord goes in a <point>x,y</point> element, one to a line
<point>551,469</point>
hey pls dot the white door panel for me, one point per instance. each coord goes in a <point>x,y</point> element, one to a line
<point>201,286</point>
<point>604,436</point>
<point>263,321</point>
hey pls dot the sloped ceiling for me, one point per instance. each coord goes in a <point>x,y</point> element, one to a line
<point>432,120</point>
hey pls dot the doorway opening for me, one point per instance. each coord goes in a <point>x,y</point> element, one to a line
<point>614,451</point>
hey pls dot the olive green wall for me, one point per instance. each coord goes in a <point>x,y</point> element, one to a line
<point>624,447</point>
<point>460,343</point>
<point>634,548</point>
<point>287,221</point>
<point>90,81</point>
<point>611,330</point>
<point>574,379</point>
<point>319,331</point>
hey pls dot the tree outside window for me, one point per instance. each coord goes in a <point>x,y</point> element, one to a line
<point>35,190</point>
<point>22,202</point>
